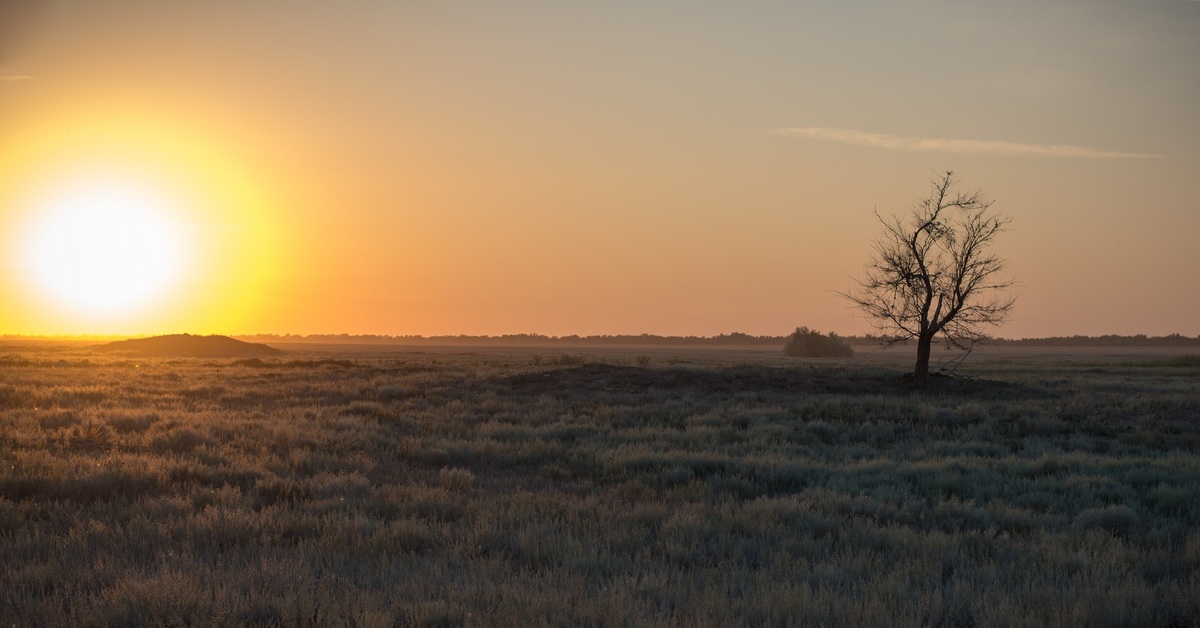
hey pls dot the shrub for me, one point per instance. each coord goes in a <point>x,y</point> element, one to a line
<point>456,480</point>
<point>93,431</point>
<point>809,343</point>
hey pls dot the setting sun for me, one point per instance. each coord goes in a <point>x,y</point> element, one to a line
<point>121,224</point>
<point>104,249</point>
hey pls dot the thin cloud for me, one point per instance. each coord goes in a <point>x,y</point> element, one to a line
<point>963,147</point>
<point>15,77</point>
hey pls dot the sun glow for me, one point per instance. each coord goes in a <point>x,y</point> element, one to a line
<point>105,249</point>
<point>113,224</point>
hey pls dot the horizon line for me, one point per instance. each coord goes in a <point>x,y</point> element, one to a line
<point>551,337</point>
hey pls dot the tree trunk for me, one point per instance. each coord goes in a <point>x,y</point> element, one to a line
<point>924,348</point>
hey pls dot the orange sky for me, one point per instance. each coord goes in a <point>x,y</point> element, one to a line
<point>665,167</point>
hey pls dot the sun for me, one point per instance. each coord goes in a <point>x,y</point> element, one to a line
<point>104,249</point>
<point>114,224</point>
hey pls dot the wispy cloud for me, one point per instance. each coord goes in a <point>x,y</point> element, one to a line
<point>15,77</point>
<point>960,146</point>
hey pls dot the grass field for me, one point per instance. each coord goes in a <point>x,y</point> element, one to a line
<point>600,487</point>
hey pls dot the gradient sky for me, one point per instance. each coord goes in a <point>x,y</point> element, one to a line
<point>563,168</point>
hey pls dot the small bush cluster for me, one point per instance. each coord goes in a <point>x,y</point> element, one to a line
<point>810,343</point>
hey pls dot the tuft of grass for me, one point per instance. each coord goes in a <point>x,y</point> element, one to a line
<point>456,480</point>
<point>93,431</point>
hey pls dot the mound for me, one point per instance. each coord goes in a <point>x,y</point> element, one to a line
<point>188,346</point>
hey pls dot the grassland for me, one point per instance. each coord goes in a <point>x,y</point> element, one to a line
<point>599,487</point>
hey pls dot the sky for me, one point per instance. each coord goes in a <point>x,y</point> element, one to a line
<point>667,167</point>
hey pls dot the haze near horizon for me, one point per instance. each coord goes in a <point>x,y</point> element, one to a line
<point>666,168</point>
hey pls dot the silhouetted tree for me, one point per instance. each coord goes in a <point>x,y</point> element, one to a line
<point>933,273</point>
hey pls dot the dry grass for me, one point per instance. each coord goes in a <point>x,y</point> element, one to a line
<point>597,488</point>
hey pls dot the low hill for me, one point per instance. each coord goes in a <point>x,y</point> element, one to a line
<point>188,346</point>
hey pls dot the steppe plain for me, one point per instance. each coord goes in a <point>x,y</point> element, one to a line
<point>380,486</point>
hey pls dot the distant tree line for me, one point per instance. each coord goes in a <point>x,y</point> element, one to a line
<point>1140,340</point>
<point>732,339</point>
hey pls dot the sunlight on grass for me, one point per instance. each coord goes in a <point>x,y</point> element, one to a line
<point>488,488</point>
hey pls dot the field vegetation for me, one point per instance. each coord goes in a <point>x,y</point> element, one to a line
<point>605,487</point>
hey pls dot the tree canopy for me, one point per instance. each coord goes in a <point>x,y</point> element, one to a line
<point>933,272</point>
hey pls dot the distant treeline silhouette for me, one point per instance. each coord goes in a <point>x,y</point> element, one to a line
<point>731,339</point>
<point>1140,340</point>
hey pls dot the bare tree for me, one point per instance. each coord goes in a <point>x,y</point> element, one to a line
<point>933,273</point>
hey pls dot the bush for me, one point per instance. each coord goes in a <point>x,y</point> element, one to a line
<point>457,480</point>
<point>809,343</point>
